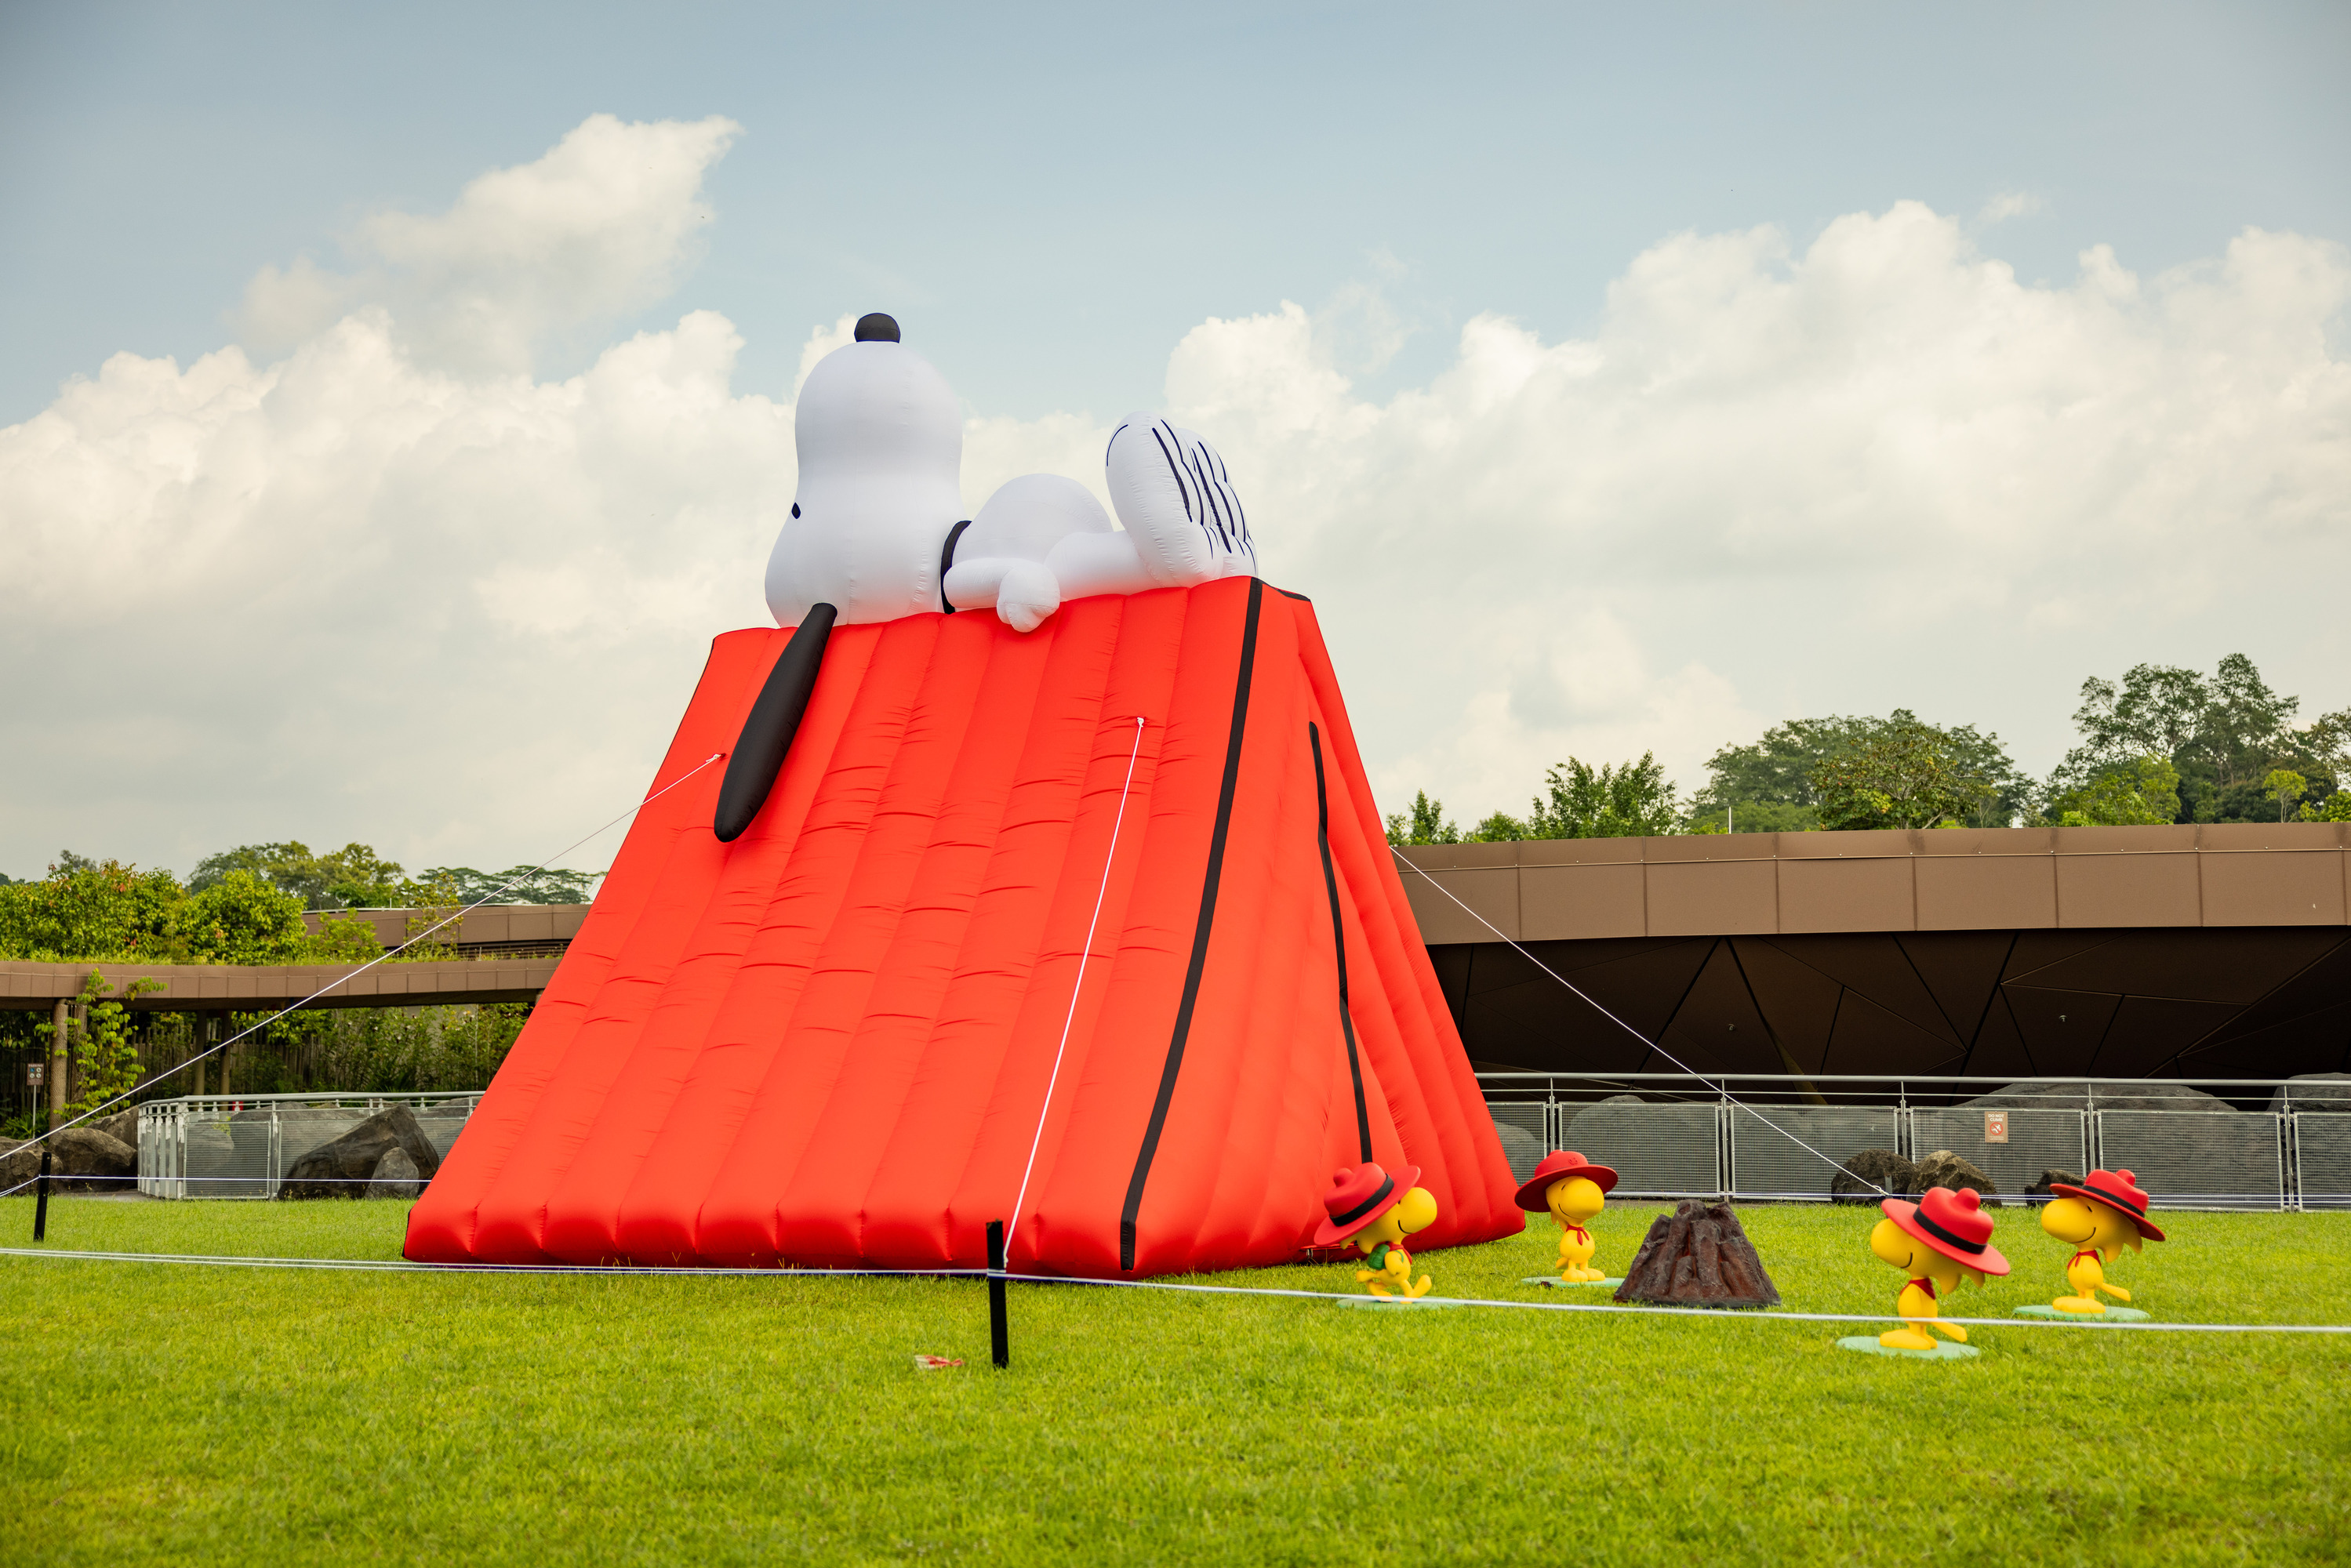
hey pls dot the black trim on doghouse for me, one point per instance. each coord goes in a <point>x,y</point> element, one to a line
<point>1200,933</point>
<point>1338,939</point>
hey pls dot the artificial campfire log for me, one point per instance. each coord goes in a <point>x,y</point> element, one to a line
<point>1697,1256</point>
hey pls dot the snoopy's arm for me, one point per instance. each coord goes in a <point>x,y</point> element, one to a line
<point>1087,564</point>
<point>972,584</point>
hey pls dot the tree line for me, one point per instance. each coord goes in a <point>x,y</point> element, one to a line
<point>2165,744</point>
<point>246,905</point>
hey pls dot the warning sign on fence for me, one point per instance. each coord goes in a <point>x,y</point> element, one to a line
<point>1995,1127</point>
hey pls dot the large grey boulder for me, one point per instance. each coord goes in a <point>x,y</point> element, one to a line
<point>2315,1091</point>
<point>396,1175</point>
<point>1873,1175</point>
<point>81,1161</point>
<point>2199,1145</point>
<point>121,1125</point>
<point>345,1168</point>
<point>1520,1147</point>
<point>1944,1168</point>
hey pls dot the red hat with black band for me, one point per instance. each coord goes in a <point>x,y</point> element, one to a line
<point>1559,1166</point>
<point>1952,1223</point>
<point>2115,1190</point>
<point>1359,1195</point>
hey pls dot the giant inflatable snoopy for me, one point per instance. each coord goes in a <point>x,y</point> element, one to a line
<point>876,530</point>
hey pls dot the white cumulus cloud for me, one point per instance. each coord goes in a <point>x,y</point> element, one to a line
<point>602,225</point>
<point>383,581</point>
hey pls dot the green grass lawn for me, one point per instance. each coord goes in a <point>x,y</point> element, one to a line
<point>197,1415</point>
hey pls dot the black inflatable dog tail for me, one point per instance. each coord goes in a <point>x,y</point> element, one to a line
<point>775,719</point>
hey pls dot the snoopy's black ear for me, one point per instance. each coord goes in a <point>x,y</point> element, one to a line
<point>877,329</point>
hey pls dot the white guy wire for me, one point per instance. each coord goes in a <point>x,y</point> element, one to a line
<point>1108,859</point>
<point>1722,1089</point>
<point>385,958</point>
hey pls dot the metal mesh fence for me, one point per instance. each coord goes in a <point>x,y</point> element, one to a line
<point>1766,1161</point>
<point>2321,1158</point>
<point>2037,1141</point>
<point>243,1148</point>
<point>1657,1151</point>
<point>2202,1159</point>
<point>2217,1144</point>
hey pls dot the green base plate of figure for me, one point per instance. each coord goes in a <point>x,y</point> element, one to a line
<point>1867,1345</point>
<point>2111,1315</point>
<point>1557,1283</point>
<point>1392,1303</point>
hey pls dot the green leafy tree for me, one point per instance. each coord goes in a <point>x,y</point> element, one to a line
<point>353,877</point>
<point>1769,786</point>
<point>1424,824</point>
<point>518,884</point>
<point>88,909</point>
<point>2335,807</point>
<point>106,1059</point>
<point>2145,791</point>
<point>433,927</point>
<point>1908,774</point>
<point>241,919</point>
<point>340,940</point>
<point>2286,786</point>
<point>2224,735</point>
<point>1633,800</point>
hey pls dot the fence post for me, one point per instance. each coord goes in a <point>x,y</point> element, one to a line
<point>41,1204</point>
<point>999,1338</point>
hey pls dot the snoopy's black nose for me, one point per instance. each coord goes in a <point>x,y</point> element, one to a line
<point>877,329</point>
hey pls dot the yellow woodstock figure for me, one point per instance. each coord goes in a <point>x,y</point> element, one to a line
<point>1377,1211</point>
<point>1574,1190</point>
<point>1944,1238</point>
<point>2098,1218</point>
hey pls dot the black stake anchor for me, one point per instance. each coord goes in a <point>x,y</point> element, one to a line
<point>1000,1340</point>
<point>41,1203</point>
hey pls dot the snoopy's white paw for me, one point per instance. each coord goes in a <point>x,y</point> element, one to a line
<point>1174,494</point>
<point>1027,595</point>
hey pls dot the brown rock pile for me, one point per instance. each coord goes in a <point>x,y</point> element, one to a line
<point>1874,1174</point>
<point>1697,1256</point>
<point>1944,1168</point>
<point>2046,1186</point>
<point>83,1159</point>
<point>387,1155</point>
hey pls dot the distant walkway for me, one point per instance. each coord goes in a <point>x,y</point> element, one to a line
<point>505,953</point>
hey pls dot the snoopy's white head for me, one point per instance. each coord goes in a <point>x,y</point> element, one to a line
<point>880,440</point>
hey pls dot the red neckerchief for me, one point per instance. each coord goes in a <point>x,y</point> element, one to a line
<point>1924,1283</point>
<point>1577,1232</point>
<point>2089,1252</point>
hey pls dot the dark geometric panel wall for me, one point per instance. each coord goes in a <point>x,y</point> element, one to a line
<point>2213,1002</point>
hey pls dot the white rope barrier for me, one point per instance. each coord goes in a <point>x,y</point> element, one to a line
<point>1711,1314</point>
<point>406,1266</point>
<point>1717,1314</point>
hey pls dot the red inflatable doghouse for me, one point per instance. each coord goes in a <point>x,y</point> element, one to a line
<point>827,1042</point>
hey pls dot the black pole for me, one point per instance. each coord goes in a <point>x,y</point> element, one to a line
<point>41,1204</point>
<point>999,1339</point>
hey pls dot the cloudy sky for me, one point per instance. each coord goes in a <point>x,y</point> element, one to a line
<point>392,406</point>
